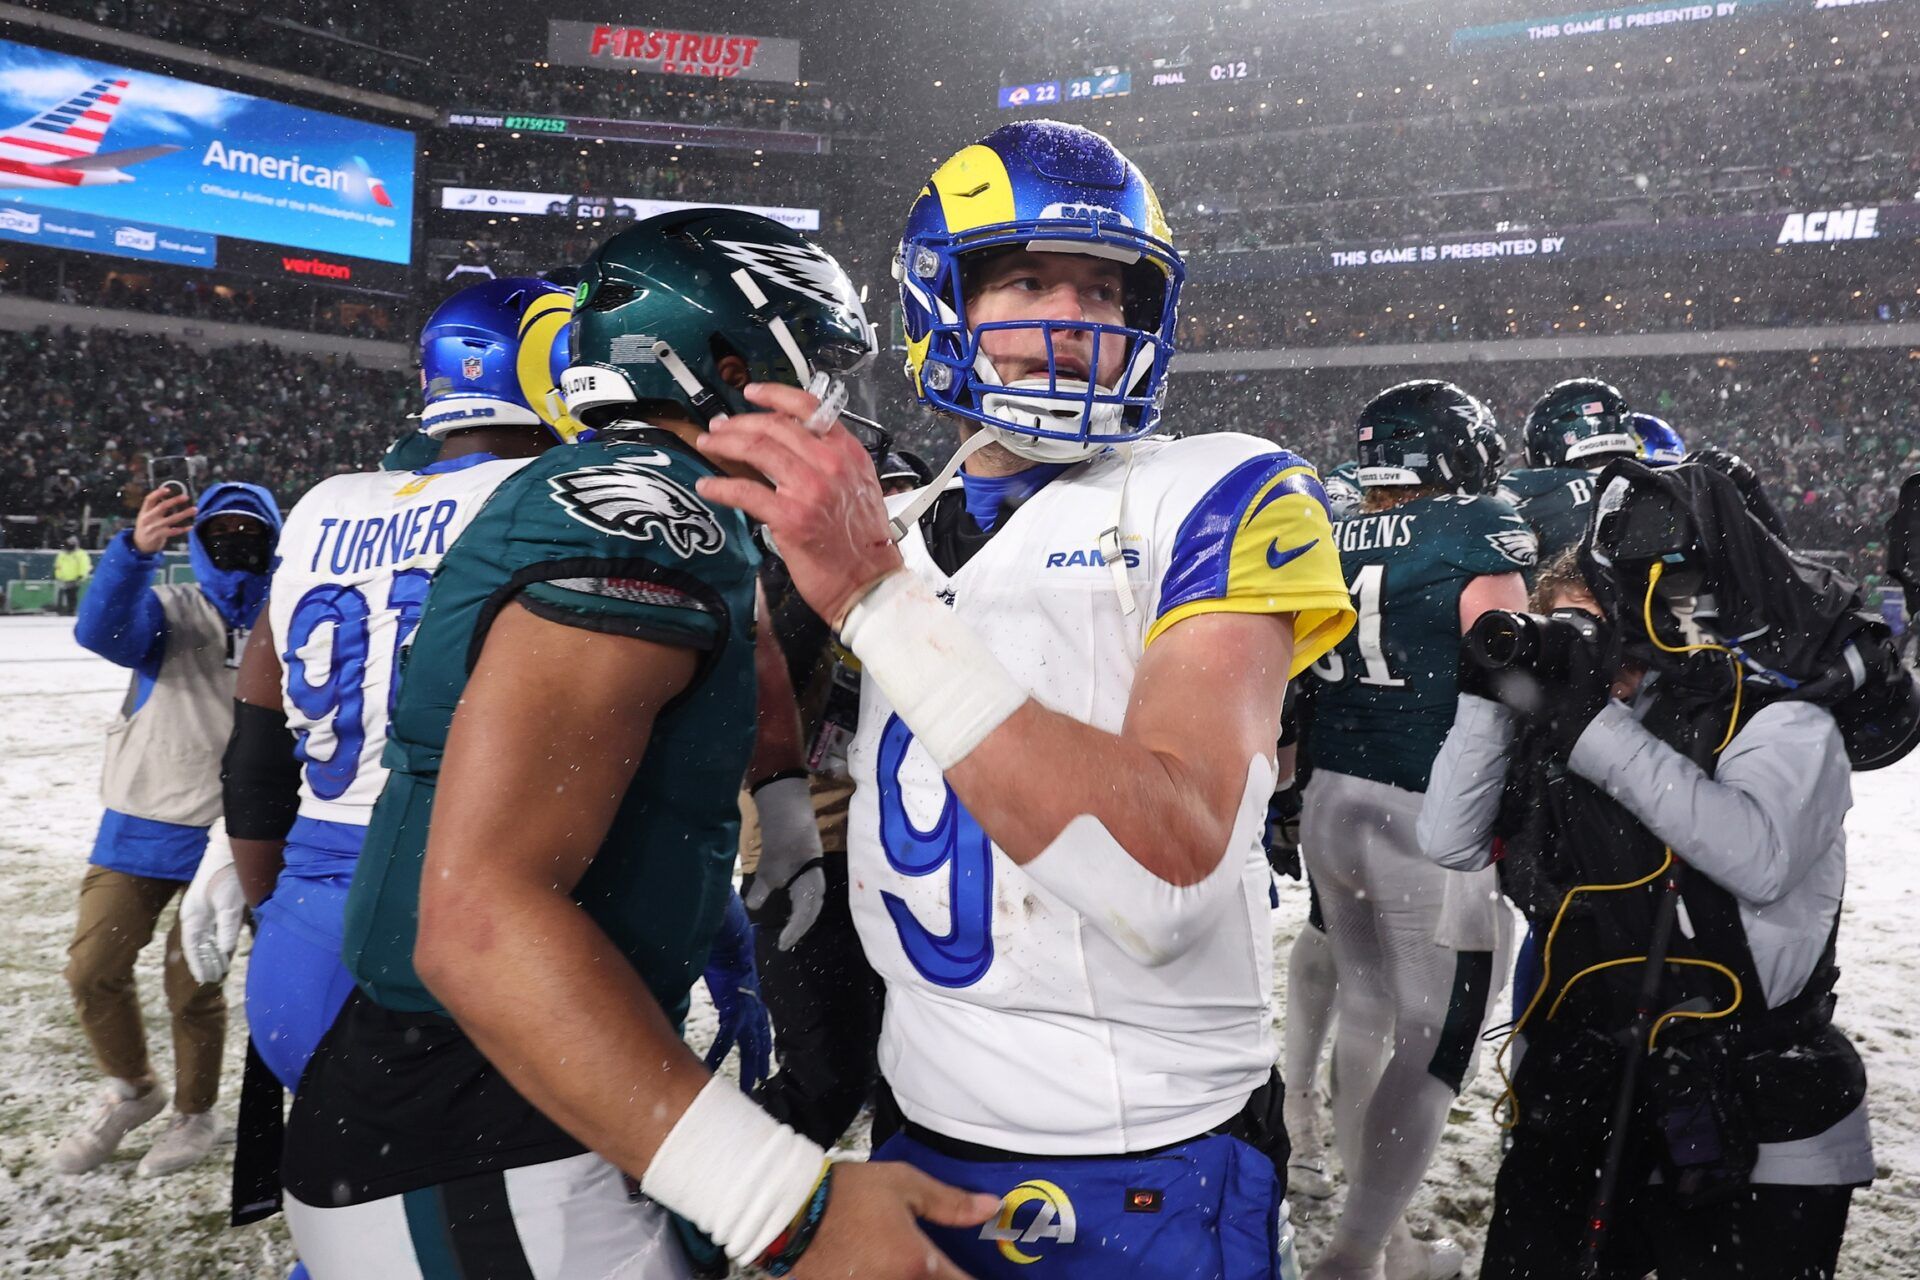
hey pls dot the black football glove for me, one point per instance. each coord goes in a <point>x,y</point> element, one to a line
<point>1283,832</point>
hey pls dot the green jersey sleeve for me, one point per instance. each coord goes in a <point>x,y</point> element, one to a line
<point>614,538</point>
<point>1487,536</point>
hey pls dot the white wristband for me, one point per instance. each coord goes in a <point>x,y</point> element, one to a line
<point>940,676</point>
<point>733,1171</point>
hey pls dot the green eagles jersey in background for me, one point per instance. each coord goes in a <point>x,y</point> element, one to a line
<point>605,536</point>
<point>1556,503</point>
<point>1384,698</point>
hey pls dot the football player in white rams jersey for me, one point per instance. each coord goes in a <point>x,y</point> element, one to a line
<point>1074,662</point>
<point>355,563</point>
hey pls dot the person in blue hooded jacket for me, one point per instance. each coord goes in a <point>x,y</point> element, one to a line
<point>161,791</point>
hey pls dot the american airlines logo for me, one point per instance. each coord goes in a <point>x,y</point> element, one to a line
<point>349,178</point>
<point>1830,225</point>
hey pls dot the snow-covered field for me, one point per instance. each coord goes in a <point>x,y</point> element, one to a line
<point>55,702</point>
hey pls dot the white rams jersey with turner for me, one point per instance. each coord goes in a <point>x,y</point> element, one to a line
<point>356,558</point>
<point>1011,1021</point>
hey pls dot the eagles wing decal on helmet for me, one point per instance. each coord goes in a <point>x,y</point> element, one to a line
<point>631,499</point>
<point>1517,545</point>
<point>801,268</point>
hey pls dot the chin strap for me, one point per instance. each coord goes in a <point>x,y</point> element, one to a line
<point>929,495</point>
<point>1110,549</point>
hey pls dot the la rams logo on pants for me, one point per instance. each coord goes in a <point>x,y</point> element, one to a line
<point>1053,1219</point>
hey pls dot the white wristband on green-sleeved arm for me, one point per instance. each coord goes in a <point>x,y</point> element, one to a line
<point>939,675</point>
<point>733,1171</point>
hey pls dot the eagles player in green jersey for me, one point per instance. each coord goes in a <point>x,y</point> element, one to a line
<point>1574,430</point>
<point>1426,554</point>
<point>547,867</point>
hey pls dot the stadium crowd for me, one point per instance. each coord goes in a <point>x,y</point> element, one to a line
<point>344,41</point>
<point>608,95</point>
<point>1710,152</point>
<point>1832,435</point>
<point>1343,65</point>
<point>78,448</point>
<point>1581,300</point>
<point>618,170</point>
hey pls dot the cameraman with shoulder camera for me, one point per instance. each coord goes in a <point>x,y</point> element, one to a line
<point>1671,827</point>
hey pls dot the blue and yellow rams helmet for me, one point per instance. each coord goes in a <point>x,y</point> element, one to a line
<point>492,356</point>
<point>1048,187</point>
<point>1660,444</point>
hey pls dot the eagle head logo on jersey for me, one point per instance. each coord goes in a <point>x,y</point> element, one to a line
<point>1053,1219</point>
<point>635,501</point>
<point>1517,545</point>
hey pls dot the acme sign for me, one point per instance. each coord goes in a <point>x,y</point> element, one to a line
<point>1829,225</point>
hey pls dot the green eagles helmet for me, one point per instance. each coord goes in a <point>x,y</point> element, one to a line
<point>1342,484</point>
<point>1426,432</point>
<point>1578,421</point>
<point>662,303</point>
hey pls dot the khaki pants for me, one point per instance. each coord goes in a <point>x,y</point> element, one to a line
<point>118,913</point>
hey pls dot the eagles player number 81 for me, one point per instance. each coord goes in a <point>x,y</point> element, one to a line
<point>1368,586</point>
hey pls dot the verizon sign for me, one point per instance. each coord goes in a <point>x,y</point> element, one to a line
<point>319,268</point>
<point>670,51</point>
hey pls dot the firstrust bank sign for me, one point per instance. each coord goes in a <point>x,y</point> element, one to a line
<point>672,51</point>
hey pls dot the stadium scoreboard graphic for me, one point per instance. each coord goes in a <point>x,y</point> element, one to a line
<point>1183,70</point>
<point>136,164</point>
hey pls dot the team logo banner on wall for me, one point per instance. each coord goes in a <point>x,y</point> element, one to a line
<point>669,51</point>
<point>107,159</point>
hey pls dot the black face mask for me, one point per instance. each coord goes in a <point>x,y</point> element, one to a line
<point>249,551</point>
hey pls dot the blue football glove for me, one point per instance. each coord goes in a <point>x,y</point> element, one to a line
<point>734,984</point>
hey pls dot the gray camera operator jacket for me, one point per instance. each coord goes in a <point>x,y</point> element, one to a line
<point>1766,827</point>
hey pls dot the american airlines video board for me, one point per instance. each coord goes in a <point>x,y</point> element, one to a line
<point>134,163</point>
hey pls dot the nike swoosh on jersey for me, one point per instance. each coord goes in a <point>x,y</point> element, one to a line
<point>1277,558</point>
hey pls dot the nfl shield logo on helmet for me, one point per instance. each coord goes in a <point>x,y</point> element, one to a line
<point>471,368</point>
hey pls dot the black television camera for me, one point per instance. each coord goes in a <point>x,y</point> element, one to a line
<point>1686,536</point>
